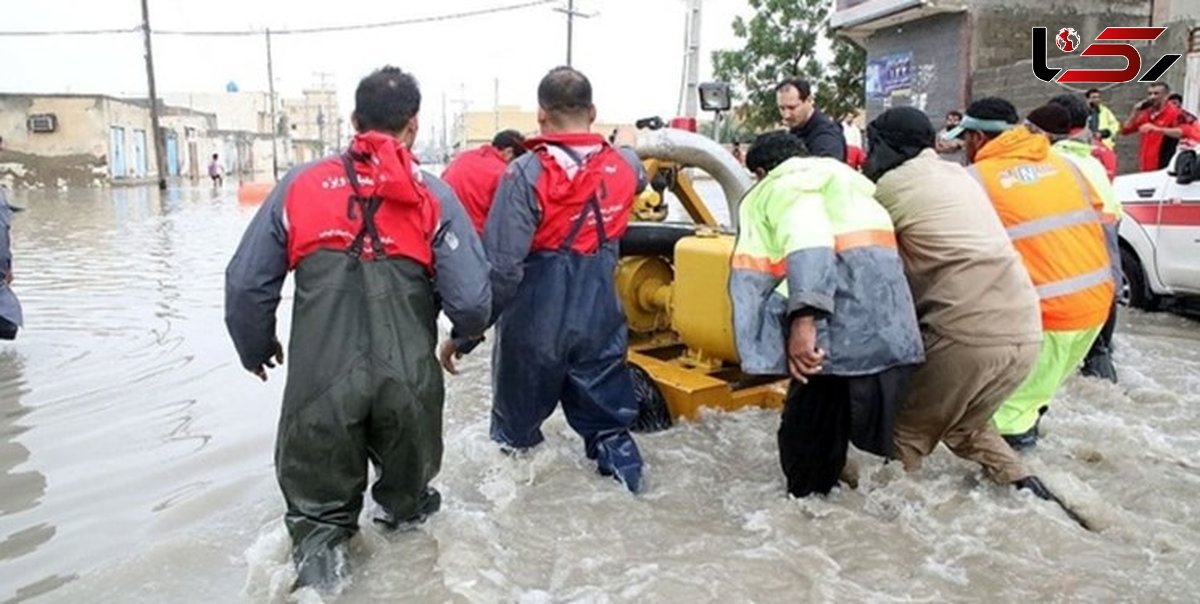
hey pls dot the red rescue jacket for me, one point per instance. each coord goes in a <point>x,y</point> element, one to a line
<point>1151,142</point>
<point>474,175</point>
<point>321,212</point>
<point>604,177</point>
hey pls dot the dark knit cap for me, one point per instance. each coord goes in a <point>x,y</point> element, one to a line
<point>1052,119</point>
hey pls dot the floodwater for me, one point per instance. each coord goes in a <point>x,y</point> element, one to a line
<point>136,466</point>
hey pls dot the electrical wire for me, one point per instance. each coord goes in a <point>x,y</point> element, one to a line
<point>75,32</point>
<point>291,31</point>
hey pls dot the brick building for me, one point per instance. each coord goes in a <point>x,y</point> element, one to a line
<point>939,54</point>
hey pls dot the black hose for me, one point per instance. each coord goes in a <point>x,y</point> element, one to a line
<point>654,238</point>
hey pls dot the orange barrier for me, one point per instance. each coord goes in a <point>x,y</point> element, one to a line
<point>254,192</point>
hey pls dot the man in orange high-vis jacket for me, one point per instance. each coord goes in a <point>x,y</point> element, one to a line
<point>1053,220</point>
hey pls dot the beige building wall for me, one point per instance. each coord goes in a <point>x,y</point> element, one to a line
<point>478,127</point>
<point>245,111</point>
<point>315,117</point>
<point>82,149</point>
<point>134,121</point>
<point>196,143</point>
<point>80,119</point>
<point>481,126</point>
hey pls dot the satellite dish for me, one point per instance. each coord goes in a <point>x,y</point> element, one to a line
<point>231,87</point>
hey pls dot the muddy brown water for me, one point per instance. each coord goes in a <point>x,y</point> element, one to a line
<point>136,466</point>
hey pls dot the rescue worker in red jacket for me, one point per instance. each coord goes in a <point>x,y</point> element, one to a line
<point>475,174</point>
<point>1156,120</point>
<point>551,238</point>
<point>365,232</point>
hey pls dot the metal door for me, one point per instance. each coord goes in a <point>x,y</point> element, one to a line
<point>139,152</point>
<point>172,154</point>
<point>116,152</point>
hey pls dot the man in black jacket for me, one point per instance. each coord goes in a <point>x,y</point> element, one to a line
<point>822,137</point>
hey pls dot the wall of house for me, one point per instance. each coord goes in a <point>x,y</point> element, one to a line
<point>1015,81</point>
<point>75,154</point>
<point>921,64</point>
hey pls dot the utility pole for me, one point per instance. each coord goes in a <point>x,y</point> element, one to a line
<point>496,105</point>
<point>692,88</point>
<point>445,154</point>
<point>328,105</point>
<point>274,120</point>
<point>159,147</point>
<point>460,127</point>
<point>571,14</point>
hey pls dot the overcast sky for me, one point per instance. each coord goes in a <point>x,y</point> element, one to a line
<point>632,49</point>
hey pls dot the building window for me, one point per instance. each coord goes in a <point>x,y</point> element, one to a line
<point>42,123</point>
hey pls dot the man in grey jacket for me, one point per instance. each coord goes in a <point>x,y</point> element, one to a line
<point>366,233</point>
<point>10,307</point>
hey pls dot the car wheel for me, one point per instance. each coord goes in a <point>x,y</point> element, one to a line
<point>1134,291</point>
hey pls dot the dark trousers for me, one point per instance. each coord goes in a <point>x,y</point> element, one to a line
<point>821,418</point>
<point>1098,362</point>
<point>364,384</point>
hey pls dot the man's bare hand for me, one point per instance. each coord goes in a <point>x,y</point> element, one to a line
<point>804,357</point>
<point>277,357</point>
<point>447,355</point>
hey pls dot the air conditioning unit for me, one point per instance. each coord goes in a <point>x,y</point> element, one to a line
<point>45,122</point>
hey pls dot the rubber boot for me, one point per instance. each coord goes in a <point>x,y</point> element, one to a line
<point>1034,485</point>
<point>1100,365</point>
<point>1026,441</point>
<point>431,502</point>
<point>618,456</point>
<point>322,569</point>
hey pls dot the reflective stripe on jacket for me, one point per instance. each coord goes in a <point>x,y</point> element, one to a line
<point>1053,221</point>
<point>812,239</point>
<point>1080,155</point>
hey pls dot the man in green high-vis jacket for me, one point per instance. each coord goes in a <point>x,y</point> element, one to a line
<point>819,293</point>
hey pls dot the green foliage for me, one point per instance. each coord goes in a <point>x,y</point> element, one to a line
<point>843,87</point>
<point>781,40</point>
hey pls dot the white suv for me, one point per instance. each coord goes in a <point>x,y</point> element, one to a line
<point>1160,235</point>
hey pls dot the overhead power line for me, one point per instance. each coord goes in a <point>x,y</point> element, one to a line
<point>73,32</point>
<point>294,31</point>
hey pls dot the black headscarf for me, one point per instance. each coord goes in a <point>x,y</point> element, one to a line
<point>896,137</point>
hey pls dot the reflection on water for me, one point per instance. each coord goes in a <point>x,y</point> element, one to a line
<point>19,490</point>
<point>111,393</point>
<point>136,465</point>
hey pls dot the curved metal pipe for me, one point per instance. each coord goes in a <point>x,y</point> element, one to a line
<point>692,149</point>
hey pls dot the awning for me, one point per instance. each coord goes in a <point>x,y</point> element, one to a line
<point>861,20</point>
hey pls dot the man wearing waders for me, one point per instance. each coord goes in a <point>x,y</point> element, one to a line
<point>552,239</point>
<point>376,247</point>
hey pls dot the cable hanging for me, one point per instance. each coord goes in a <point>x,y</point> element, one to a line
<point>291,31</point>
<point>74,32</point>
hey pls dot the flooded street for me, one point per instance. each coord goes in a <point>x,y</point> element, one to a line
<point>136,465</point>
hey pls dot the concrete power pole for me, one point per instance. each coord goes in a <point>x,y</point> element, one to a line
<point>496,105</point>
<point>692,61</point>
<point>274,119</point>
<point>460,126</point>
<point>327,107</point>
<point>159,148</point>
<point>444,154</point>
<point>571,13</point>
